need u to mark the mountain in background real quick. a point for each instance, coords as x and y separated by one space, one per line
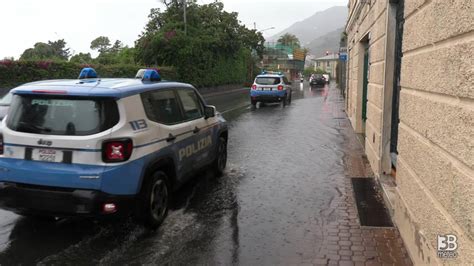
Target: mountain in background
327 42
323 24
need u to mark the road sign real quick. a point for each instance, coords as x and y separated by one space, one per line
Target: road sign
343 57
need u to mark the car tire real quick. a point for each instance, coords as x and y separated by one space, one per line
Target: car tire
253 103
154 200
220 161
284 100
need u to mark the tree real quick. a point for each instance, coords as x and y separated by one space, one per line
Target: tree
59 49
82 58
40 51
101 44
52 50
215 42
290 40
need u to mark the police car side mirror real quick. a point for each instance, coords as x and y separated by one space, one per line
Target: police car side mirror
209 111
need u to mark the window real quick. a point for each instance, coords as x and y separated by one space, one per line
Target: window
162 106
268 81
318 64
191 104
62 115
328 64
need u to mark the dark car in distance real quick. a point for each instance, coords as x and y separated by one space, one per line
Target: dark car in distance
317 80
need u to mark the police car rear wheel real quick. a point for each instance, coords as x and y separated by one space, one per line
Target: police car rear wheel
156 200
221 159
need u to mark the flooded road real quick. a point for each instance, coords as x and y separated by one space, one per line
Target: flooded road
285 169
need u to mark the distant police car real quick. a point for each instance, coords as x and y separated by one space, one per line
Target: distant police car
270 87
97 147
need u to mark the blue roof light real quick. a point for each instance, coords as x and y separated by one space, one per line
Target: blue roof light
149 75
88 73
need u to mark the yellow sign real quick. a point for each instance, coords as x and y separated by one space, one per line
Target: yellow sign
298 54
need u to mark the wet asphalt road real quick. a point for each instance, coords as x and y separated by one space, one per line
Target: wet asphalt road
272 204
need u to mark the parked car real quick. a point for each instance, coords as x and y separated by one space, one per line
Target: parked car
106 147
5 102
270 87
317 80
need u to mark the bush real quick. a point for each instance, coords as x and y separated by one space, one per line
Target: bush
15 73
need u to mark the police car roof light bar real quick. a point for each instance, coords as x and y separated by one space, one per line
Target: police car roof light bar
88 73
151 75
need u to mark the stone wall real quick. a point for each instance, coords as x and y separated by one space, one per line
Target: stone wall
368 29
435 177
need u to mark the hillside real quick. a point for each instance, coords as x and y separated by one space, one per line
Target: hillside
327 42
319 24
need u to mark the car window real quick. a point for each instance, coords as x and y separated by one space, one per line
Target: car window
162 106
6 99
191 105
268 80
61 115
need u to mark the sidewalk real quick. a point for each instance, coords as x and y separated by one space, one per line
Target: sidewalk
345 241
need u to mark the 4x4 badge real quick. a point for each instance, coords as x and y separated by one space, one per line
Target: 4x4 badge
45 142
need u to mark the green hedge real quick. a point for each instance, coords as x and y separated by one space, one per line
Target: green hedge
15 73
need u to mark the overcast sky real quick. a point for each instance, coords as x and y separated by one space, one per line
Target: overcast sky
25 22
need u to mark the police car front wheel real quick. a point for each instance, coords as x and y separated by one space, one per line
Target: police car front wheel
154 200
221 157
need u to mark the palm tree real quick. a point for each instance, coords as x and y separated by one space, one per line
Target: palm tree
288 39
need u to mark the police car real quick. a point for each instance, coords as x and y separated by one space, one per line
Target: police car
104 147
270 87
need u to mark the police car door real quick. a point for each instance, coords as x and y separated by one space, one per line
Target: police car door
203 141
162 106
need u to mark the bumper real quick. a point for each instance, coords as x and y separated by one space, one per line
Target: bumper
316 83
32 199
267 96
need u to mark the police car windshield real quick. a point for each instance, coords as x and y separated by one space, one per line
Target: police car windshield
268 81
61 116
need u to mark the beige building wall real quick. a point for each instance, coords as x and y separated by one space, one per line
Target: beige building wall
368 29
435 177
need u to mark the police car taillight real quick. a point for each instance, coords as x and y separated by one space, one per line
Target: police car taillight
280 87
254 87
114 151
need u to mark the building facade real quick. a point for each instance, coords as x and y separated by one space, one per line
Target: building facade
327 63
410 95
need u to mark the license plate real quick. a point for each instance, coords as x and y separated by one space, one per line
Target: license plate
267 89
47 155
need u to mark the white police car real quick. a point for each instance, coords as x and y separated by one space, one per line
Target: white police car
270 87
96 147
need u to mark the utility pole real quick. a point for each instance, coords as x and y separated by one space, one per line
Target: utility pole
185 21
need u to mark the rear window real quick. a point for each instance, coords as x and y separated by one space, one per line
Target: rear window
318 76
61 115
268 81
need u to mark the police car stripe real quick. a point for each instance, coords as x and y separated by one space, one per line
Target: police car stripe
178 135
56 148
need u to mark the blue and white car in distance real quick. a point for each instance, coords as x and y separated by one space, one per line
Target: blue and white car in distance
270 87
104 147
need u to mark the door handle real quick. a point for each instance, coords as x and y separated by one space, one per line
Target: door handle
196 130
170 138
